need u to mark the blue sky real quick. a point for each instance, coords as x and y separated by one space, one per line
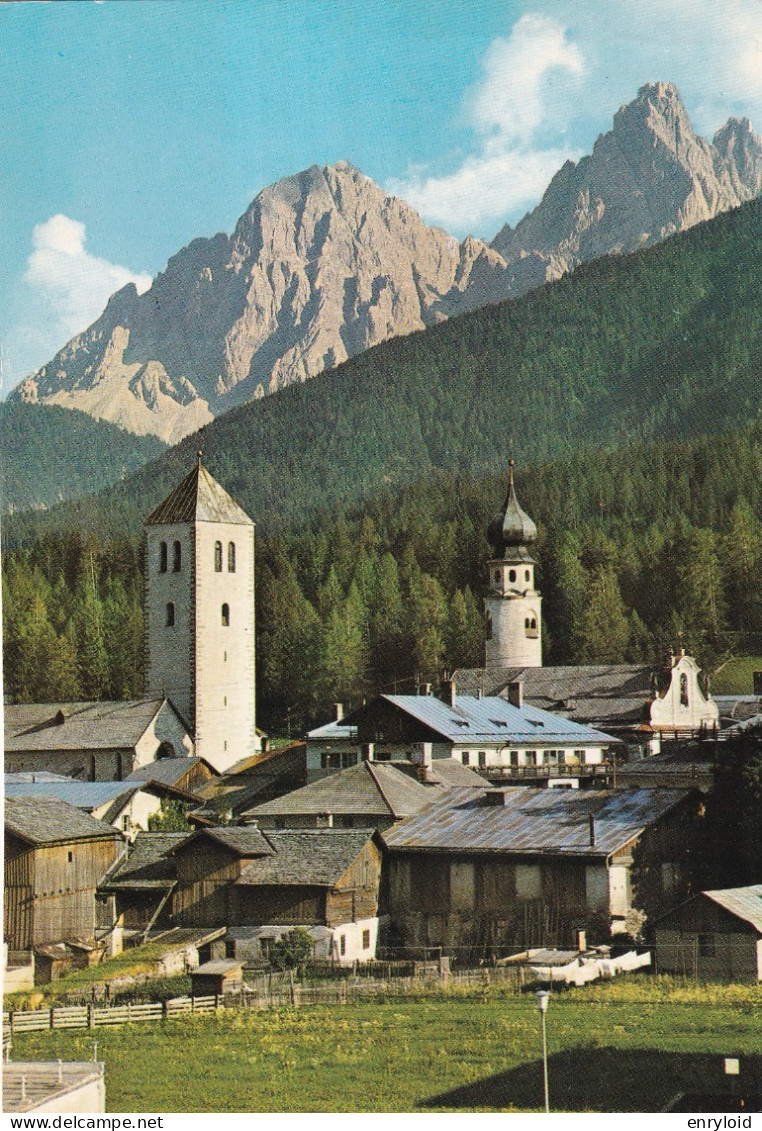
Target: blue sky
128 127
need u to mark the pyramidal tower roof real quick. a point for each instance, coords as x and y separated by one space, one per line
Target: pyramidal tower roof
199 498
511 526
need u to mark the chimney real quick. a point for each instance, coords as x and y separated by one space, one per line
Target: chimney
449 691
582 941
367 750
757 677
591 823
516 693
338 712
421 757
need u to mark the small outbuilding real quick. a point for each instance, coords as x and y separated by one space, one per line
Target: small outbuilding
223 976
715 935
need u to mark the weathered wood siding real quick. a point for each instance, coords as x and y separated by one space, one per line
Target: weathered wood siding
50 890
206 873
703 940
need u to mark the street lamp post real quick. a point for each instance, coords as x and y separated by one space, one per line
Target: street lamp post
542 1004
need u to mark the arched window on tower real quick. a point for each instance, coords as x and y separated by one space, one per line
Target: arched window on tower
511 574
218 557
488 626
177 556
163 557
530 626
683 690
225 617
231 557
170 614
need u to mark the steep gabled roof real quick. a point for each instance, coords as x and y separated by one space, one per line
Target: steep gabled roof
376 789
168 771
198 498
48 820
306 857
242 841
116 725
85 795
533 821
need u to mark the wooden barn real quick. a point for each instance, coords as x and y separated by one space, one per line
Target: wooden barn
521 867
55 856
715 935
309 877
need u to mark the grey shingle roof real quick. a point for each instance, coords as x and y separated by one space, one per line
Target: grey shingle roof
168 771
198 498
374 789
78 726
47 820
450 773
556 684
244 841
495 720
744 903
149 863
533 821
309 857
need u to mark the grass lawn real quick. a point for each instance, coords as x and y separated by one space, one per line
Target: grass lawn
735 677
629 1046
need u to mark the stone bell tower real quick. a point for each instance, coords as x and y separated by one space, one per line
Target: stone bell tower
512 604
199 615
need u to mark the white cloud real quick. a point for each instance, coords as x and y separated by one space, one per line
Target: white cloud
518 143
73 285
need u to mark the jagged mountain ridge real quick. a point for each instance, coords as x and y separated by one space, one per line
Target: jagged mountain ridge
324 265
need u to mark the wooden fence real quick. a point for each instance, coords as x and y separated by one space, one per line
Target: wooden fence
265 992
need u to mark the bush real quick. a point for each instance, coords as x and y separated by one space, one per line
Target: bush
292 951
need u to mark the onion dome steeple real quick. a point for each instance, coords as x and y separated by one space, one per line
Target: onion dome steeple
511 527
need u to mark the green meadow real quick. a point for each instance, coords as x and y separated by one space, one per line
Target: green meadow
630 1046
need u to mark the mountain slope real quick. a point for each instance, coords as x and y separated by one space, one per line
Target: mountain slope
663 344
324 265
48 454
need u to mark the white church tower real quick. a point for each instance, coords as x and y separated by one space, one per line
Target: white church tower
199 613
512 604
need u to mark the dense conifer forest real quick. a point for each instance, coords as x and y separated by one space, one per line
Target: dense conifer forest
638 550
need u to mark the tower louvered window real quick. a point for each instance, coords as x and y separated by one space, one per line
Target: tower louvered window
177 556
231 557
218 557
163 557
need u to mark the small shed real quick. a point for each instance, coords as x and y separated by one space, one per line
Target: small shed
716 935
223 976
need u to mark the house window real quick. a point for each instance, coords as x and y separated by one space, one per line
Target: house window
482 759
218 557
170 614
231 557
514 757
465 758
342 944
334 761
683 690
163 557
225 616
70 857
366 940
323 761
177 556
497 577
706 945
125 824
348 760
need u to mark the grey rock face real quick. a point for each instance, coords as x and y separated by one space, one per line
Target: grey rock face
648 177
324 265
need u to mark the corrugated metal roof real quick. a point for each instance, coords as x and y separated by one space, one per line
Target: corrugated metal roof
47 820
495 720
311 857
533 821
745 903
369 788
198 498
79 726
333 730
